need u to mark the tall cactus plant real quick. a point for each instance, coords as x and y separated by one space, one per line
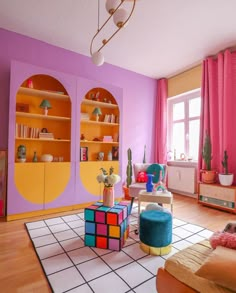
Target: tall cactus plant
144 155
225 163
206 153
129 168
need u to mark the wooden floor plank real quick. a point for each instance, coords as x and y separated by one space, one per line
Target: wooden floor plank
20 270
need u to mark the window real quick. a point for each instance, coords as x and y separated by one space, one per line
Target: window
184 125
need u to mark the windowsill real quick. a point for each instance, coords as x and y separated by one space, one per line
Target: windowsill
183 163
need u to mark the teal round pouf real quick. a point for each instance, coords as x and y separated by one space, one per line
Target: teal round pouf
155 228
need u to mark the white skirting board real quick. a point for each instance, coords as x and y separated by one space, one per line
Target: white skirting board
182 180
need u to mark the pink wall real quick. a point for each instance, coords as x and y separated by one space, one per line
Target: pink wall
139 92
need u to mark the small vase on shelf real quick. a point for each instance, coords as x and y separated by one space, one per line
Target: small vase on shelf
108 196
35 159
109 156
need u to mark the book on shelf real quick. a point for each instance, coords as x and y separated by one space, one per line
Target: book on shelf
107 118
25 131
46 135
113 117
110 118
84 154
107 138
84 116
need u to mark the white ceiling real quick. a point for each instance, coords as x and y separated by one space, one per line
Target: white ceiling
163 37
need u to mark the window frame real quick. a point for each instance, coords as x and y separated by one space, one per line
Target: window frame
184 97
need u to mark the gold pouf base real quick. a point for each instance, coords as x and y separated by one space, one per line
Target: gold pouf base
155 250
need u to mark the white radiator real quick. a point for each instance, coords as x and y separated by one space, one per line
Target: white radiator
182 179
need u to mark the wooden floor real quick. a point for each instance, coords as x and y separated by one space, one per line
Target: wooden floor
20 270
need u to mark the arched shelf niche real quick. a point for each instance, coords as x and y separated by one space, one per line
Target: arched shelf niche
98 136
41 182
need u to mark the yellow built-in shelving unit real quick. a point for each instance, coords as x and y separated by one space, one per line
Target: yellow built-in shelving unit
36 181
94 141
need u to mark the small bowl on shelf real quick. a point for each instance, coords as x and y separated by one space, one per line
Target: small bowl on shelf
46 158
21 160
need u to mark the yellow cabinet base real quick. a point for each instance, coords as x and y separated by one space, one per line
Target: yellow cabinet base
89 172
41 183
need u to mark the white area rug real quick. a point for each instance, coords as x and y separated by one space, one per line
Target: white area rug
70 266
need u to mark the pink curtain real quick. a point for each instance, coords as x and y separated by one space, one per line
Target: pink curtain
218 116
160 151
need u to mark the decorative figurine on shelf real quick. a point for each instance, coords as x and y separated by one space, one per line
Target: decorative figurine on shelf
97 96
21 153
82 137
92 96
44 130
35 159
100 156
30 83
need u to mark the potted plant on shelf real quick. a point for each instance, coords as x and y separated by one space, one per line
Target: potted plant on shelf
208 175
226 178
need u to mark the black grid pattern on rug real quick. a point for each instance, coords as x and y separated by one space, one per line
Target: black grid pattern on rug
70 266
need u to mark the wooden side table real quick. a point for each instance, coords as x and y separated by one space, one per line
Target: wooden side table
159 197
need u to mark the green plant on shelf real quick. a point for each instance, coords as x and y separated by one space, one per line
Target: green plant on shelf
207 152
225 163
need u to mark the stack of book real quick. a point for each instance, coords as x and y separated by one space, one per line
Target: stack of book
46 135
107 138
84 116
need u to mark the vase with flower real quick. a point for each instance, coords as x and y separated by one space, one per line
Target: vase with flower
109 179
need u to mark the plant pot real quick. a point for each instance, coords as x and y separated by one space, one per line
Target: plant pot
126 192
226 179
208 176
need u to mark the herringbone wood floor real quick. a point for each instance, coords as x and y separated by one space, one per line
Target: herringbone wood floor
20 270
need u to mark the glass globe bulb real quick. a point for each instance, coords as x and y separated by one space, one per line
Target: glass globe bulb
98 58
120 16
111 5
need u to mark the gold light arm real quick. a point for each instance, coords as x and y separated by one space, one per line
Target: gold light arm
99 30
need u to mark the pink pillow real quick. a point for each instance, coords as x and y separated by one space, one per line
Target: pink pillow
223 239
142 177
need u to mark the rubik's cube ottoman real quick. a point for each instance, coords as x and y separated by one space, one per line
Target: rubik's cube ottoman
155 228
107 227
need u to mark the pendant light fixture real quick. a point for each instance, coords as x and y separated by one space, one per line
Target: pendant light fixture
120 17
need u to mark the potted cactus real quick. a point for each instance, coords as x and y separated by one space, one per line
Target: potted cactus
129 175
208 175
226 178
